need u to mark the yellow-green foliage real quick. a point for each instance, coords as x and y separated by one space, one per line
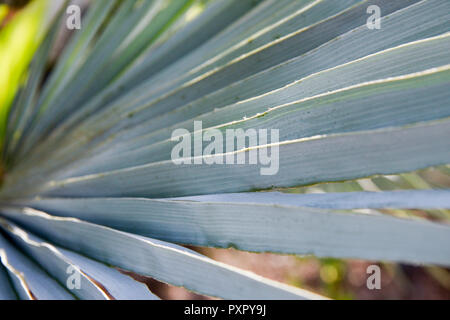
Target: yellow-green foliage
19 40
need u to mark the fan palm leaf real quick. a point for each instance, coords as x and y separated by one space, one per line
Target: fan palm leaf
90 184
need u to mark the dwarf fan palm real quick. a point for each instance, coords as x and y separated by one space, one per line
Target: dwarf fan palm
90 183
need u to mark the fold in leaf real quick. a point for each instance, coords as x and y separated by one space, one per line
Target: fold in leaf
30 281
276 222
96 281
163 261
430 19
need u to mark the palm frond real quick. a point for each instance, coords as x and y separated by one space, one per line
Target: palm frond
91 186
